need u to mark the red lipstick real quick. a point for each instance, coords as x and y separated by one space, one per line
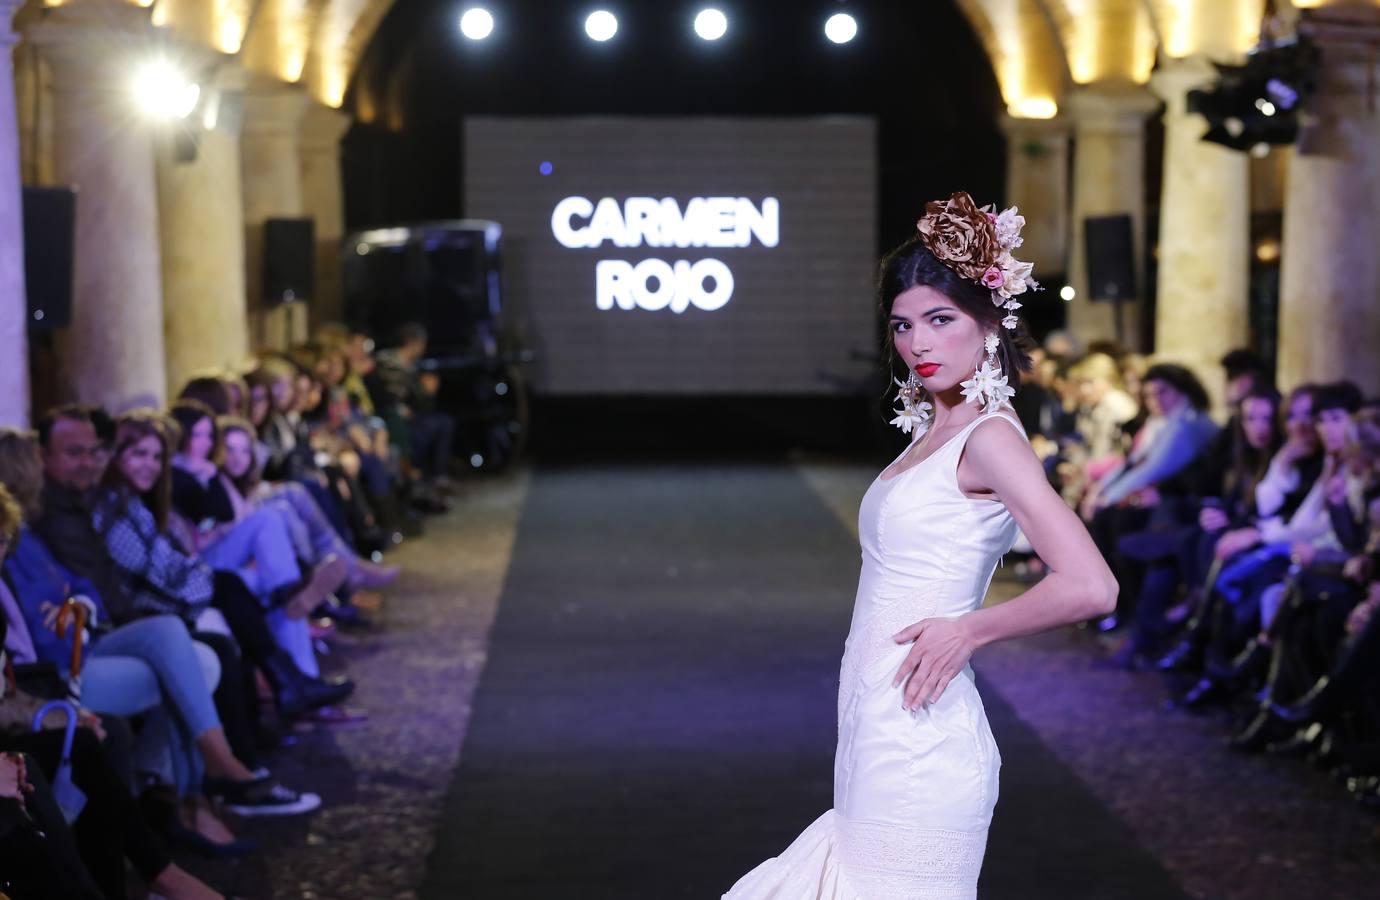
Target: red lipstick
925 370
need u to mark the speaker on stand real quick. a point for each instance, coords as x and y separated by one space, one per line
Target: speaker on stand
1110 255
289 279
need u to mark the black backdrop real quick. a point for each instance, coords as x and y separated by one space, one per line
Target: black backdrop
917 67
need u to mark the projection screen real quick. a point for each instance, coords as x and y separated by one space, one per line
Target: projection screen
683 255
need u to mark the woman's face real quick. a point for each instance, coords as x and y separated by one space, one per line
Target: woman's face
311 396
1334 428
1299 422
1257 421
232 390
281 392
303 389
200 439
239 454
939 342
1162 398
258 404
141 463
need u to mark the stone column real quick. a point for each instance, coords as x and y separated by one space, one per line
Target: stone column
200 207
272 184
1329 325
1037 180
14 307
322 129
103 145
1202 304
1108 179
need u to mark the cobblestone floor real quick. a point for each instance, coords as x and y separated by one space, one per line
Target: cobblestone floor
382 782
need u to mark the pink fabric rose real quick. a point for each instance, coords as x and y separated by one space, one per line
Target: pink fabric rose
993 278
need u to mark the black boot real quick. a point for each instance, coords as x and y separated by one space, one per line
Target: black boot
297 692
1262 729
1244 666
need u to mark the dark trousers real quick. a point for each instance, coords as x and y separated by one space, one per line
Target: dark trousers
1108 526
433 435
110 827
237 695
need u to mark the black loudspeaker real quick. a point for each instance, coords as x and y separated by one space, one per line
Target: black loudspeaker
50 233
1111 257
289 260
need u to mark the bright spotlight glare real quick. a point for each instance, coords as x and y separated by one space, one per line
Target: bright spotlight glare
601 25
476 23
841 28
711 24
1067 293
163 92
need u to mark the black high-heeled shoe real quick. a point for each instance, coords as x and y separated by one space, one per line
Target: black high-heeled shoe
1253 658
1261 730
190 839
1205 692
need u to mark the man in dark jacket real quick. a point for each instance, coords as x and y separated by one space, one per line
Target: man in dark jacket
74 458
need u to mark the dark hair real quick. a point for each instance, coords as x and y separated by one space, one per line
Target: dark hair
1242 361
210 390
131 428
225 426
1181 380
186 413
72 412
411 331
1338 395
1249 464
912 265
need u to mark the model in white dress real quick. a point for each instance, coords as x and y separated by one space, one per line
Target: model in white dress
913 791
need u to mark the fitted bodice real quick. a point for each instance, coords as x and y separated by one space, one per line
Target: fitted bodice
928 551
920 533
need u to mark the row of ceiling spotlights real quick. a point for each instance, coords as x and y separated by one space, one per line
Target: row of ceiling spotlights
477 23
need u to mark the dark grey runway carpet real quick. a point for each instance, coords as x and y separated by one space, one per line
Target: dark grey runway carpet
657 713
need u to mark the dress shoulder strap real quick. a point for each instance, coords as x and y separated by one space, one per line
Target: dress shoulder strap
962 439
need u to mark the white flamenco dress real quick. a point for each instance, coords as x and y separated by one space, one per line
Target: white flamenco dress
913 791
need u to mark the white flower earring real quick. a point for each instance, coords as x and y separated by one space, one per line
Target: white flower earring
914 415
988 388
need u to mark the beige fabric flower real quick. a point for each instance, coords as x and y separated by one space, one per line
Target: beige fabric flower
960 235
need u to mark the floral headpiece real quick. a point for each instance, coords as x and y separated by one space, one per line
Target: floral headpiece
977 244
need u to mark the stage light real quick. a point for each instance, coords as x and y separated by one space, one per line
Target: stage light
545 167
476 23
711 24
163 92
601 25
1067 293
841 28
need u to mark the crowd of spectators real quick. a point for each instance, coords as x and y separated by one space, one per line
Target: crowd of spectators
1245 553
170 578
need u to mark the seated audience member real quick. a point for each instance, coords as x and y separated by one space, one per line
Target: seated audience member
162 577
1322 656
406 399
1103 408
110 827
1255 559
1171 553
238 477
1175 433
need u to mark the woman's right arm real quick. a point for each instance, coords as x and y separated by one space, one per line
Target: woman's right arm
141 552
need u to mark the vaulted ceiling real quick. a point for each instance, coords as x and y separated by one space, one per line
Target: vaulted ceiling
1038 48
